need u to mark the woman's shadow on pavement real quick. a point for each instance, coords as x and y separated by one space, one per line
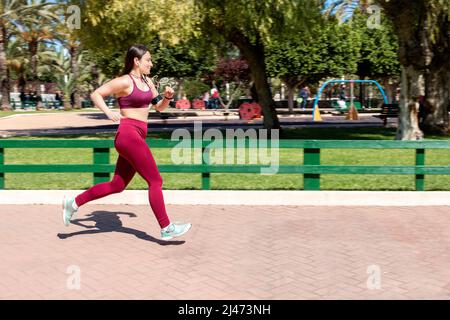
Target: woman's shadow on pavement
106 221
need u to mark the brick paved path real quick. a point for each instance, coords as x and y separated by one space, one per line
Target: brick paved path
232 252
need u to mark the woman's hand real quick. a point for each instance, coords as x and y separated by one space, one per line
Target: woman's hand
169 92
114 116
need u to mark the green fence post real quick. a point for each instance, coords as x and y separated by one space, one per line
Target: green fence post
420 161
206 181
311 156
101 156
2 174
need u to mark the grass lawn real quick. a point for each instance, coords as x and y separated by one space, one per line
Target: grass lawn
243 181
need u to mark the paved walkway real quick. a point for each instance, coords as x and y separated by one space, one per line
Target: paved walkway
232 252
96 122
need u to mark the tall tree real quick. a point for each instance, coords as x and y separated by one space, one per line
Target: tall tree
18 61
422 27
250 25
34 28
122 24
437 75
328 50
423 30
62 65
378 52
11 12
69 39
176 48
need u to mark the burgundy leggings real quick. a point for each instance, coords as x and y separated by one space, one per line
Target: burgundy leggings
134 155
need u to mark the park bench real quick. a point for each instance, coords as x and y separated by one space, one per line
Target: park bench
15 104
52 104
27 104
110 101
388 111
86 104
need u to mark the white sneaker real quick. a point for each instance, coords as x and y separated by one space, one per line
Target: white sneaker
68 211
175 230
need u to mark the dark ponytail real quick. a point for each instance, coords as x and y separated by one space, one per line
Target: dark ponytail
135 51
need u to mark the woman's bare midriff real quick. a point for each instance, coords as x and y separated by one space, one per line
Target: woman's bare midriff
138 114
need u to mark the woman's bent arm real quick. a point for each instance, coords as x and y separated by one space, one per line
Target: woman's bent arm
114 86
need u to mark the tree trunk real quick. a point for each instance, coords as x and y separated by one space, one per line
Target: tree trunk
263 90
293 83
437 102
253 92
388 89
22 82
3 70
8 83
33 48
412 89
291 93
362 91
408 20
74 68
254 54
66 102
95 83
437 97
423 30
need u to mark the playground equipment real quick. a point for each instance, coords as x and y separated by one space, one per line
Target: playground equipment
352 106
249 111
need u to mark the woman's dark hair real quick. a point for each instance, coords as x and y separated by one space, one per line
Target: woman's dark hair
135 51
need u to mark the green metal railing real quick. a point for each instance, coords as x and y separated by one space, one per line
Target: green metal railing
311 167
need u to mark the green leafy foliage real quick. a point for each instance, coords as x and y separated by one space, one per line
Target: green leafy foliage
327 50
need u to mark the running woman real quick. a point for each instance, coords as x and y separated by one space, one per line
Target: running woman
135 93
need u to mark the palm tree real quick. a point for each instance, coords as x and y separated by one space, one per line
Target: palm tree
35 29
11 12
18 61
72 44
65 79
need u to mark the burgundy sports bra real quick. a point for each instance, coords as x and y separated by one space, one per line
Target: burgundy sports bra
136 99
